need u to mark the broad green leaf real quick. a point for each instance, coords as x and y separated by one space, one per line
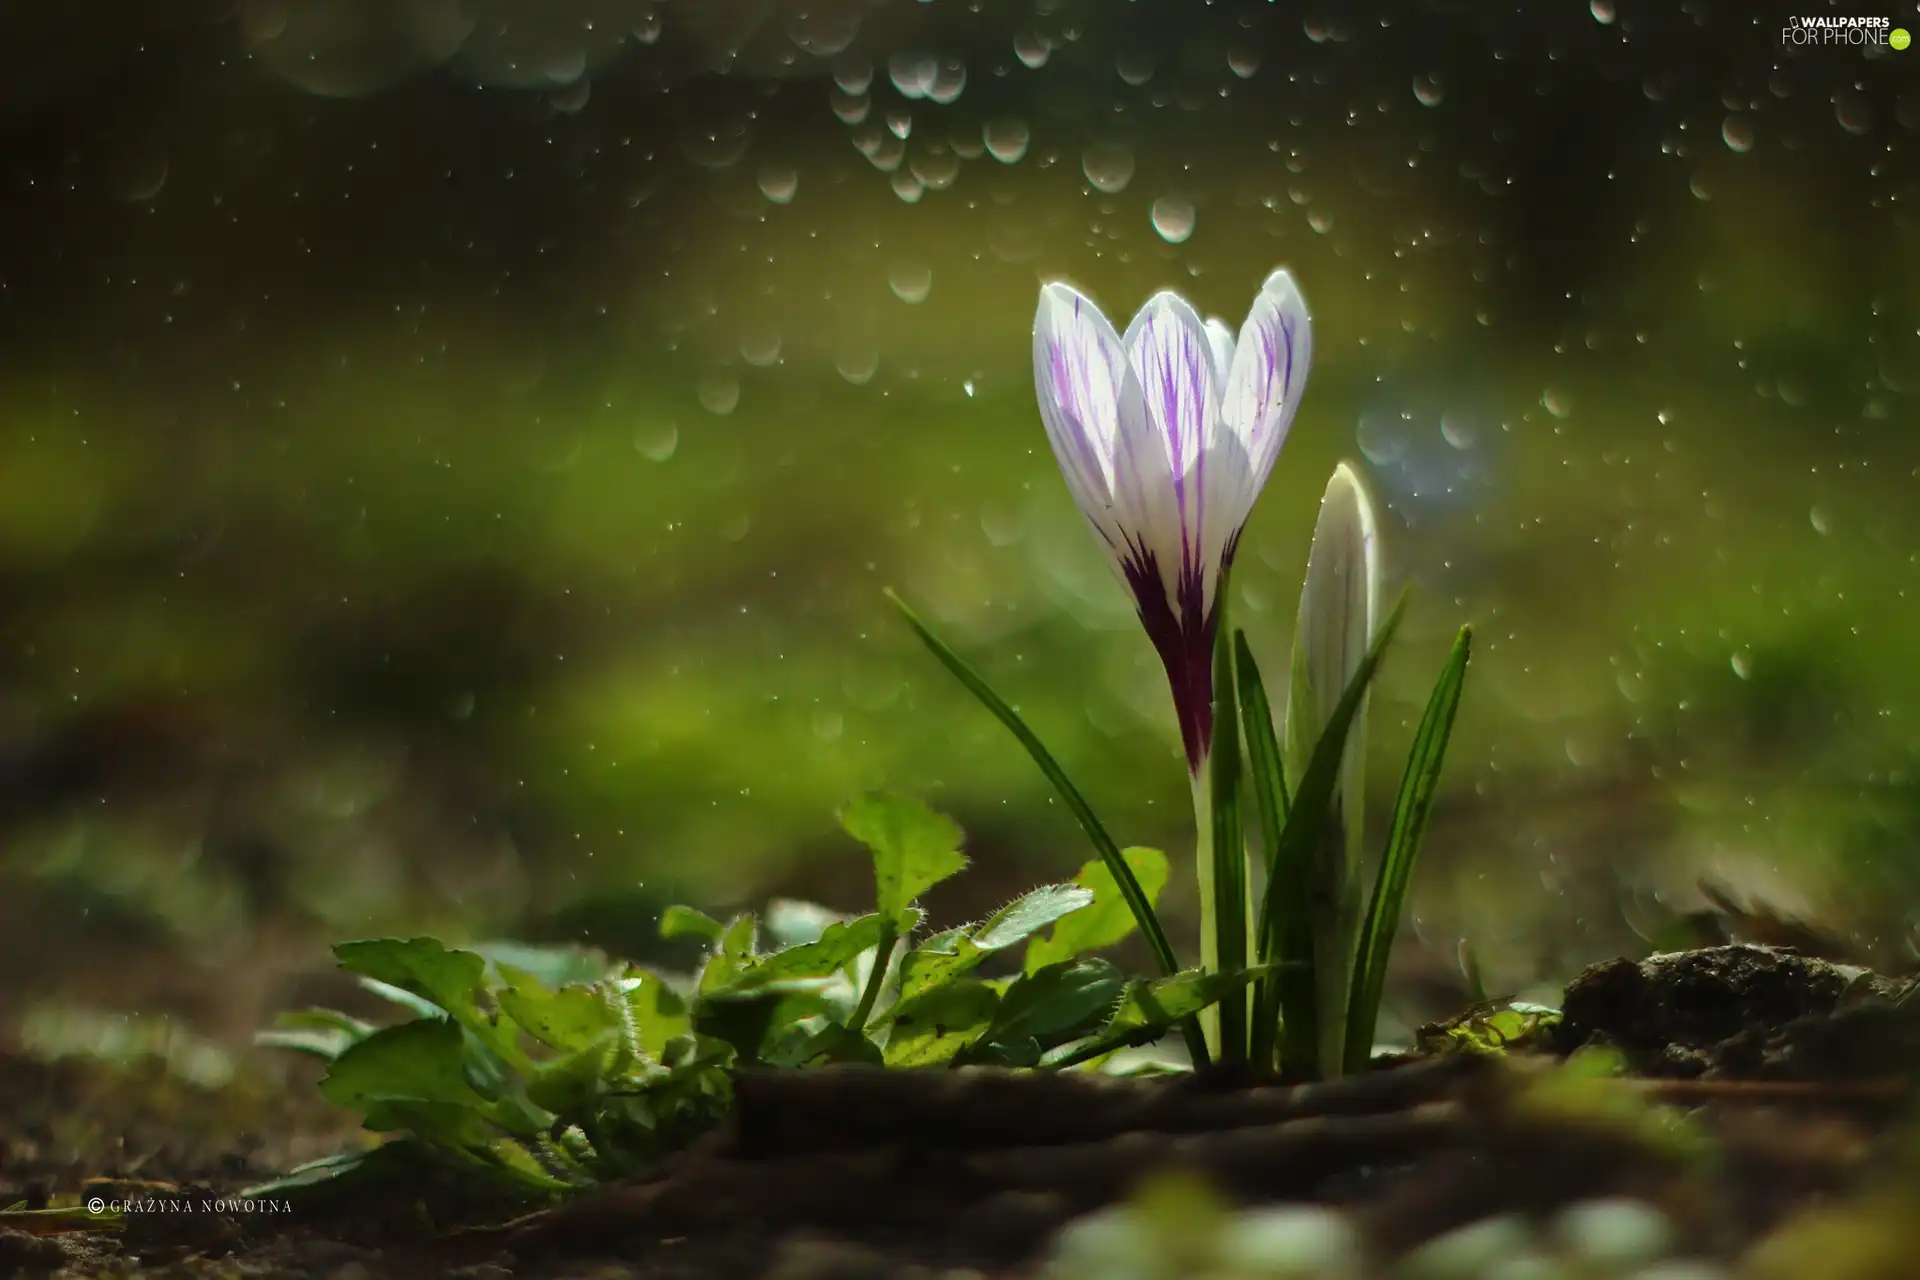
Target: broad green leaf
424 967
913 847
569 1085
1076 803
659 1014
1107 919
1029 913
942 1023
837 948
551 966
731 955
570 1018
680 921
1412 806
1057 1000
419 1061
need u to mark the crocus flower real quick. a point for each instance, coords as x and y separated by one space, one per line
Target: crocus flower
1165 437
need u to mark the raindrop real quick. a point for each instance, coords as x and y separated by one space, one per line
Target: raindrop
719 393
646 30
1243 61
1557 403
899 124
1429 89
908 186
853 75
949 84
1007 139
1032 49
1742 664
1173 218
935 166
1701 187
734 525
1853 111
1457 430
1603 12
852 109
1108 167
572 100
822 29
912 74
1320 220
778 182
1737 133
716 144
1822 522
857 363
911 281
828 725
759 344
1135 67
1380 439
656 441
136 175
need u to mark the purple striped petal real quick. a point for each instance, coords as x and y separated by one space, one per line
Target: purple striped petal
1269 374
1173 358
1220 334
1086 390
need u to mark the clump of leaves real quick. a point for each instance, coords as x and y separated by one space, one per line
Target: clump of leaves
548 1071
1491 1027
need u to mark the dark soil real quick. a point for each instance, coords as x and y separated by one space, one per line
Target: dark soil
1790 1069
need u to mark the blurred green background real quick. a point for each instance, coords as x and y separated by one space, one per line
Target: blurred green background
451 452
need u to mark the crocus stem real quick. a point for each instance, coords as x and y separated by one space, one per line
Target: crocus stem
1209 916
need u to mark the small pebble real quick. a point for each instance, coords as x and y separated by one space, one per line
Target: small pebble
1614 1234
1291 1243
1469 1252
1109 1243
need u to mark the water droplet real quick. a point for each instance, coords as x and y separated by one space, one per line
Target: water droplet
1853 111
656 441
136 173
828 725
1557 403
1135 66
935 166
1320 220
852 109
949 84
911 281
646 29
857 362
899 124
853 75
908 187
1701 186
1458 430
1742 664
822 29
779 182
1007 139
1429 89
1109 167
1603 12
1737 133
1032 49
1380 438
759 344
1243 60
1821 521
719 393
912 74
572 100
1173 218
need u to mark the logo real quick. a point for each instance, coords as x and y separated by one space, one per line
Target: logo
1860 33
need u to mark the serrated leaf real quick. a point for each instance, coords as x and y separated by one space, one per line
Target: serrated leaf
570 1084
426 968
421 1061
679 921
1108 919
1029 913
659 1014
1150 1008
752 1022
913 847
1056 1001
941 1024
731 954
569 1019
835 949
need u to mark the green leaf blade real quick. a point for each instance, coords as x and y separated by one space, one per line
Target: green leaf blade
913 847
1107 919
1412 807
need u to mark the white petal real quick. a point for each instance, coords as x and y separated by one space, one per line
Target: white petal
1086 390
1173 359
1220 334
1268 374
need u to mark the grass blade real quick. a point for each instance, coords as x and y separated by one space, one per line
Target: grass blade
1270 799
1229 850
1294 861
1411 809
1103 844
